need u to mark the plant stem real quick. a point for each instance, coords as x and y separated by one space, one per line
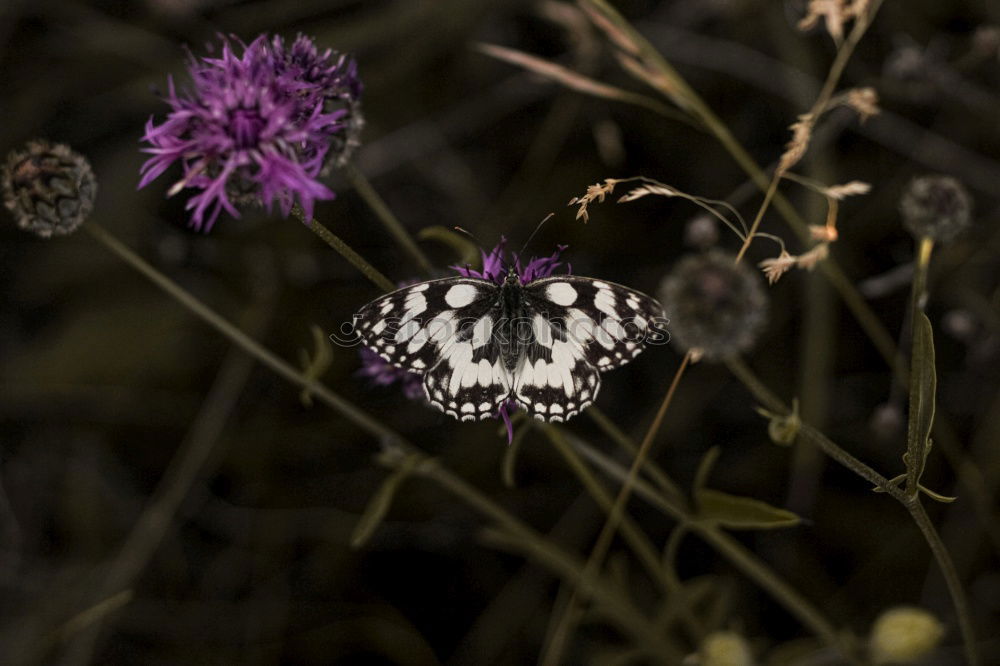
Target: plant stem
345 250
639 542
516 535
238 337
881 483
947 566
385 215
564 628
752 567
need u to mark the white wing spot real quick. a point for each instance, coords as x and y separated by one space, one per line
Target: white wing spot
482 331
460 295
561 293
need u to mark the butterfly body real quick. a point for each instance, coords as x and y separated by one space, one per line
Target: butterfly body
479 344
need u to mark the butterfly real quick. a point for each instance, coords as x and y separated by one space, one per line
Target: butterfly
479 344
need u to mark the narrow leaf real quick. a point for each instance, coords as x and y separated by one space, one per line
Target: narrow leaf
574 80
923 385
705 469
741 513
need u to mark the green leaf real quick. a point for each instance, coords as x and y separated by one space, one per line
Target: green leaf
463 247
741 513
380 502
705 469
923 385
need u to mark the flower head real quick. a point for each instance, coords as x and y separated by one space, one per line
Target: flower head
381 373
48 187
259 125
715 306
495 267
936 206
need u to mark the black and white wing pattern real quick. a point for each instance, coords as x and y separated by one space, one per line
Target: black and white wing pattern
579 327
478 344
444 330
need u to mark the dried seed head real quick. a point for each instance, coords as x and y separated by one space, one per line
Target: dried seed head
49 188
936 206
715 306
904 635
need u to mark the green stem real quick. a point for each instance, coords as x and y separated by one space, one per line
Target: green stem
910 502
516 535
345 250
744 560
385 215
238 337
565 626
638 541
617 435
947 566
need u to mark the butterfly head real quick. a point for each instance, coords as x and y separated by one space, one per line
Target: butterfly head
512 276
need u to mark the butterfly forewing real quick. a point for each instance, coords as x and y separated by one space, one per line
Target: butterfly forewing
606 323
445 330
411 326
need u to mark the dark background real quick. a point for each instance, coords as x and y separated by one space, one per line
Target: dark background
102 376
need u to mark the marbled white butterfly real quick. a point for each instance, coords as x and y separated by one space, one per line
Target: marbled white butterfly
543 344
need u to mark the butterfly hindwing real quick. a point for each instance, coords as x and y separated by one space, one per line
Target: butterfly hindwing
470 381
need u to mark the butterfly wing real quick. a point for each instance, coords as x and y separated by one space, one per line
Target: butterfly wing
607 323
576 328
447 331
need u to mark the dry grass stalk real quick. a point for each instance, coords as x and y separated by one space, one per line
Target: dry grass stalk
596 192
834 14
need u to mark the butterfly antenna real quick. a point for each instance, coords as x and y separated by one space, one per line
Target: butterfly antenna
525 246
480 245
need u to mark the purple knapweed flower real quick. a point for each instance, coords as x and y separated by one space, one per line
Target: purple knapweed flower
381 373
257 126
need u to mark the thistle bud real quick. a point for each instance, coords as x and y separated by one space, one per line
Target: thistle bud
904 634
48 187
715 306
938 207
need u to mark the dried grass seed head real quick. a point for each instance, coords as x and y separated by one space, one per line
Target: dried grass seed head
936 206
715 306
49 188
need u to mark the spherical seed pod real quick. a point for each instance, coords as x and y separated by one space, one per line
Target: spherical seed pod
903 635
714 305
725 648
938 207
48 187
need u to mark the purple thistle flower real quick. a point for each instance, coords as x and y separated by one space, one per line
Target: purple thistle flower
381 373
259 126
